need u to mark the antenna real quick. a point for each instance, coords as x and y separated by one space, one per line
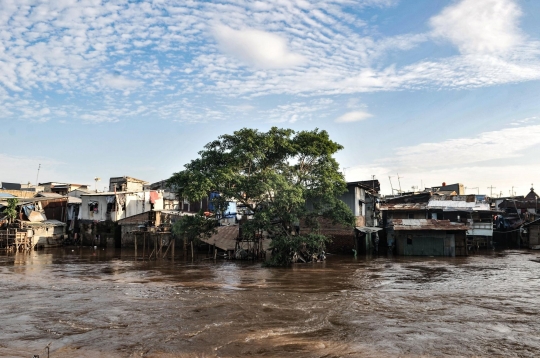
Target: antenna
491 190
398 177
96 179
37 176
391 186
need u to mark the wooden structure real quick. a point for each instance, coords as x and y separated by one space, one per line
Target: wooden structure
155 245
15 240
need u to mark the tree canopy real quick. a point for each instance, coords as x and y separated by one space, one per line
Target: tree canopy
281 176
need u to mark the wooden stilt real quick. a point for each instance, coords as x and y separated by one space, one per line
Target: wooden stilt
166 251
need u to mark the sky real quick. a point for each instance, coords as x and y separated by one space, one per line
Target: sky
418 92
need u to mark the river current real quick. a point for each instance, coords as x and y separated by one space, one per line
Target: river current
102 303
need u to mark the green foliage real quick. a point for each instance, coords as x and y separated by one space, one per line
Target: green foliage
11 209
282 176
193 228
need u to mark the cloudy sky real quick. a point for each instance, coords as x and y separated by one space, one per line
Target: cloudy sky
433 90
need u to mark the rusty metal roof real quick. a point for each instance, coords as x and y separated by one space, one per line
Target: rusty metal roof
226 236
427 224
404 206
520 204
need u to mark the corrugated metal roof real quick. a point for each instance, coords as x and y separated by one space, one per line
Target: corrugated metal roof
368 229
405 206
225 238
426 224
74 200
45 222
177 212
49 195
454 204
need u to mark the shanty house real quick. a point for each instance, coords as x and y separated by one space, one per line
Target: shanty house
113 206
473 210
428 237
362 198
46 233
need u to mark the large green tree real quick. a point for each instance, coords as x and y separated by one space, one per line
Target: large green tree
283 177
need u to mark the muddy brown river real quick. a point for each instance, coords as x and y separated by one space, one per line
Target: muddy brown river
103 303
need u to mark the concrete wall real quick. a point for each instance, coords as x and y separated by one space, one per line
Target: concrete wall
354 198
47 235
136 203
425 243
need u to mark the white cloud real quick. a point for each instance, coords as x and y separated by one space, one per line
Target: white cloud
461 151
97 118
488 158
475 178
480 26
353 116
260 49
159 49
119 82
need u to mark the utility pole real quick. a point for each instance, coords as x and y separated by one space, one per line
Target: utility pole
391 186
37 176
491 190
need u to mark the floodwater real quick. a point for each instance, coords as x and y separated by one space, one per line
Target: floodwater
103 303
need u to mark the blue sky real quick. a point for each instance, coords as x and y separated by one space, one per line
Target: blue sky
433 90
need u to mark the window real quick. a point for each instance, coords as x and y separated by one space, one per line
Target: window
110 207
409 240
411 216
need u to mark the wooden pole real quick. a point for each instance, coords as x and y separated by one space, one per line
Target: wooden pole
192 251
172 249
166 251
135 239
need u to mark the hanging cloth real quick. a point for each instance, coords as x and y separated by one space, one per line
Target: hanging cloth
153 196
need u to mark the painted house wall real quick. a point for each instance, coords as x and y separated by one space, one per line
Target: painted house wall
355 198
135 203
